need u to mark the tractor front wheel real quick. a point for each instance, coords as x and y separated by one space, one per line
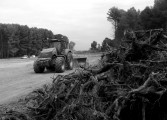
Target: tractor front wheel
38 68
60 64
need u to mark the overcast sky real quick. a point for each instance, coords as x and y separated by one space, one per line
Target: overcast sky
82 21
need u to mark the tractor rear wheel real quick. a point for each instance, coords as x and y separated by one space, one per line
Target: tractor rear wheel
38 68
69 61
60 64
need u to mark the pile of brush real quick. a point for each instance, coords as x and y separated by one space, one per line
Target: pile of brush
130 84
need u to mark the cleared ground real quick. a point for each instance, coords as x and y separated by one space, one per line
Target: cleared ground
17 77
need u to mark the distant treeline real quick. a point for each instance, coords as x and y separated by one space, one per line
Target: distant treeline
17 40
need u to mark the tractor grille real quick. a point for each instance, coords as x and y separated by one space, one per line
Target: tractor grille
45 55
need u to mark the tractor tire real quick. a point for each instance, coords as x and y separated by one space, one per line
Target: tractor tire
37 68
69 61
60 64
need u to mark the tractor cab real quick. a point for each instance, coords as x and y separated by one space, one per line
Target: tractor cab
60 45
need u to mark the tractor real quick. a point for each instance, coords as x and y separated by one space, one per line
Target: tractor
58 57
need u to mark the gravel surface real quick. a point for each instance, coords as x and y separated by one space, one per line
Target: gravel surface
17 77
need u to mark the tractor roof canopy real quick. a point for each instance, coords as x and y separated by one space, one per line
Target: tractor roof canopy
57 40
63 44
54 40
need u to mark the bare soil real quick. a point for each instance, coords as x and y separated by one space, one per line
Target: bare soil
17 77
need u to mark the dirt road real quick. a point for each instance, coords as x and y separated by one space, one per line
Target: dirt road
17 78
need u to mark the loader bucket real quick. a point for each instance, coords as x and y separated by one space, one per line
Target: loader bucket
80 61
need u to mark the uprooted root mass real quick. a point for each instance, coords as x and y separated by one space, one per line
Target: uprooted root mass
130 84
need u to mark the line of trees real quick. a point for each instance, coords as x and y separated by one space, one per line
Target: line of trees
95 46
18 40
106 45
154 17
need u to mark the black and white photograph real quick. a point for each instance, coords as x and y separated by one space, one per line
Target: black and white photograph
83 59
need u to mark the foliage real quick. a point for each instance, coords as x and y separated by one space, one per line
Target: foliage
107 44
61 37
114 16
18 40
3 43
94 45
150 18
